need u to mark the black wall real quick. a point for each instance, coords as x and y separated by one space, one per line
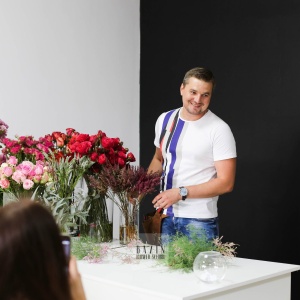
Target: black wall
253 48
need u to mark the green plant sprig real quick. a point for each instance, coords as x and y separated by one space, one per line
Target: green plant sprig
181 251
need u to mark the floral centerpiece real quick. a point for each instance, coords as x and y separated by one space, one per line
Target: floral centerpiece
126 187
54 184
25 179
24 171
101 150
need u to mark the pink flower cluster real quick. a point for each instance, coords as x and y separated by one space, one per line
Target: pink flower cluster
26 175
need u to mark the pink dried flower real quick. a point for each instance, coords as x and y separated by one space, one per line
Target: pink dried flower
3 130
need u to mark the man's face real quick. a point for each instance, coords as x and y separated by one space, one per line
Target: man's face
196 95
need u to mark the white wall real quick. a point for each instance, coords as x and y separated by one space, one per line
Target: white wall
71 63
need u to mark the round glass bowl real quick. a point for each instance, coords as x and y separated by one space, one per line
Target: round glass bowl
210 266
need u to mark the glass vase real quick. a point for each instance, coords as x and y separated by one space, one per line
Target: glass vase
100 219
129 224
210 266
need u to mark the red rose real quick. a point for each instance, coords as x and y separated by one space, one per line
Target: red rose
60 142
122 155
56 134
93 139
94 156
15 150
121 162
130 157
106 142
70 131
82 137
102 159
101 134
83 148
58 155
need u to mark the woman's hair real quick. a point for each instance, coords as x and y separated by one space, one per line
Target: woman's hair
32 261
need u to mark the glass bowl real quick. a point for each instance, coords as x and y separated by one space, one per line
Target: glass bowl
210 266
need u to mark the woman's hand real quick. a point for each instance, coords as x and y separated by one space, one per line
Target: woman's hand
76 286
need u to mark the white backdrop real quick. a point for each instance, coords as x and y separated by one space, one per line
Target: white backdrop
70 63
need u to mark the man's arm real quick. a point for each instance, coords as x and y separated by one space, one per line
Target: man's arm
223 183
156 163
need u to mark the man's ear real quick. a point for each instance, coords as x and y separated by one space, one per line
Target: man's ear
181 88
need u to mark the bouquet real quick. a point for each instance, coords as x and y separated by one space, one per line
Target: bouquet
24 179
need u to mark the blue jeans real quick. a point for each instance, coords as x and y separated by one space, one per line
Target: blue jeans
189 226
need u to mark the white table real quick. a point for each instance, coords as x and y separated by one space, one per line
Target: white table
245 279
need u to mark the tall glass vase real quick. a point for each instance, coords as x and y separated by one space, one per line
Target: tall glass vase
100 219
129 223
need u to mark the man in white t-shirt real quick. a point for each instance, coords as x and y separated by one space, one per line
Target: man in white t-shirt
196 155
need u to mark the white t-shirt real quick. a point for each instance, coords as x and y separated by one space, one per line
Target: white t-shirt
190 157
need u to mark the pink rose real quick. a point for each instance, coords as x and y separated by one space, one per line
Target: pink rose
45 178
25 167
18 176
7 171
38 170
37 178
27 184
12 161
4 183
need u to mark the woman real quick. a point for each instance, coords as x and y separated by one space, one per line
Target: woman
32 259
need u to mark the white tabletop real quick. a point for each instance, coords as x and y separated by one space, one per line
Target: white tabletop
155 280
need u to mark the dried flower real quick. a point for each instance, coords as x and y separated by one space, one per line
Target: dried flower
3 130
227 249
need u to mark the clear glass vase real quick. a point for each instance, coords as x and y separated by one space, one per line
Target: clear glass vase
100 219
129 224
210 266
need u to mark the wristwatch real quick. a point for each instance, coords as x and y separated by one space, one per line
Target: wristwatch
183 192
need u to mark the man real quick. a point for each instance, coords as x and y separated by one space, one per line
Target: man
196 155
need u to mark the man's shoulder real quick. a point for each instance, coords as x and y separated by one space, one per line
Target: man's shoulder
212 117
168 114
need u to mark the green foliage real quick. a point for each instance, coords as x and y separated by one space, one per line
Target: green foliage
1 198
181 251
65 201
67 212
87 249
67 172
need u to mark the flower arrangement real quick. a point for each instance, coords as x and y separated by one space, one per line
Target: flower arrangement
126 187
26 148
101 150
25 178
69 157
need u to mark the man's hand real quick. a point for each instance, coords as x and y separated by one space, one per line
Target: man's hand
167 198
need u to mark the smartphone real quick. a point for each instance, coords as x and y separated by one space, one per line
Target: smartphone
66 242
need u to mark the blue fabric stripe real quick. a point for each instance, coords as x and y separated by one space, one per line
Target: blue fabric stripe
172 149
166 119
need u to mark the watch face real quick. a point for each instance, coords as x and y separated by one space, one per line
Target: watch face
183 191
